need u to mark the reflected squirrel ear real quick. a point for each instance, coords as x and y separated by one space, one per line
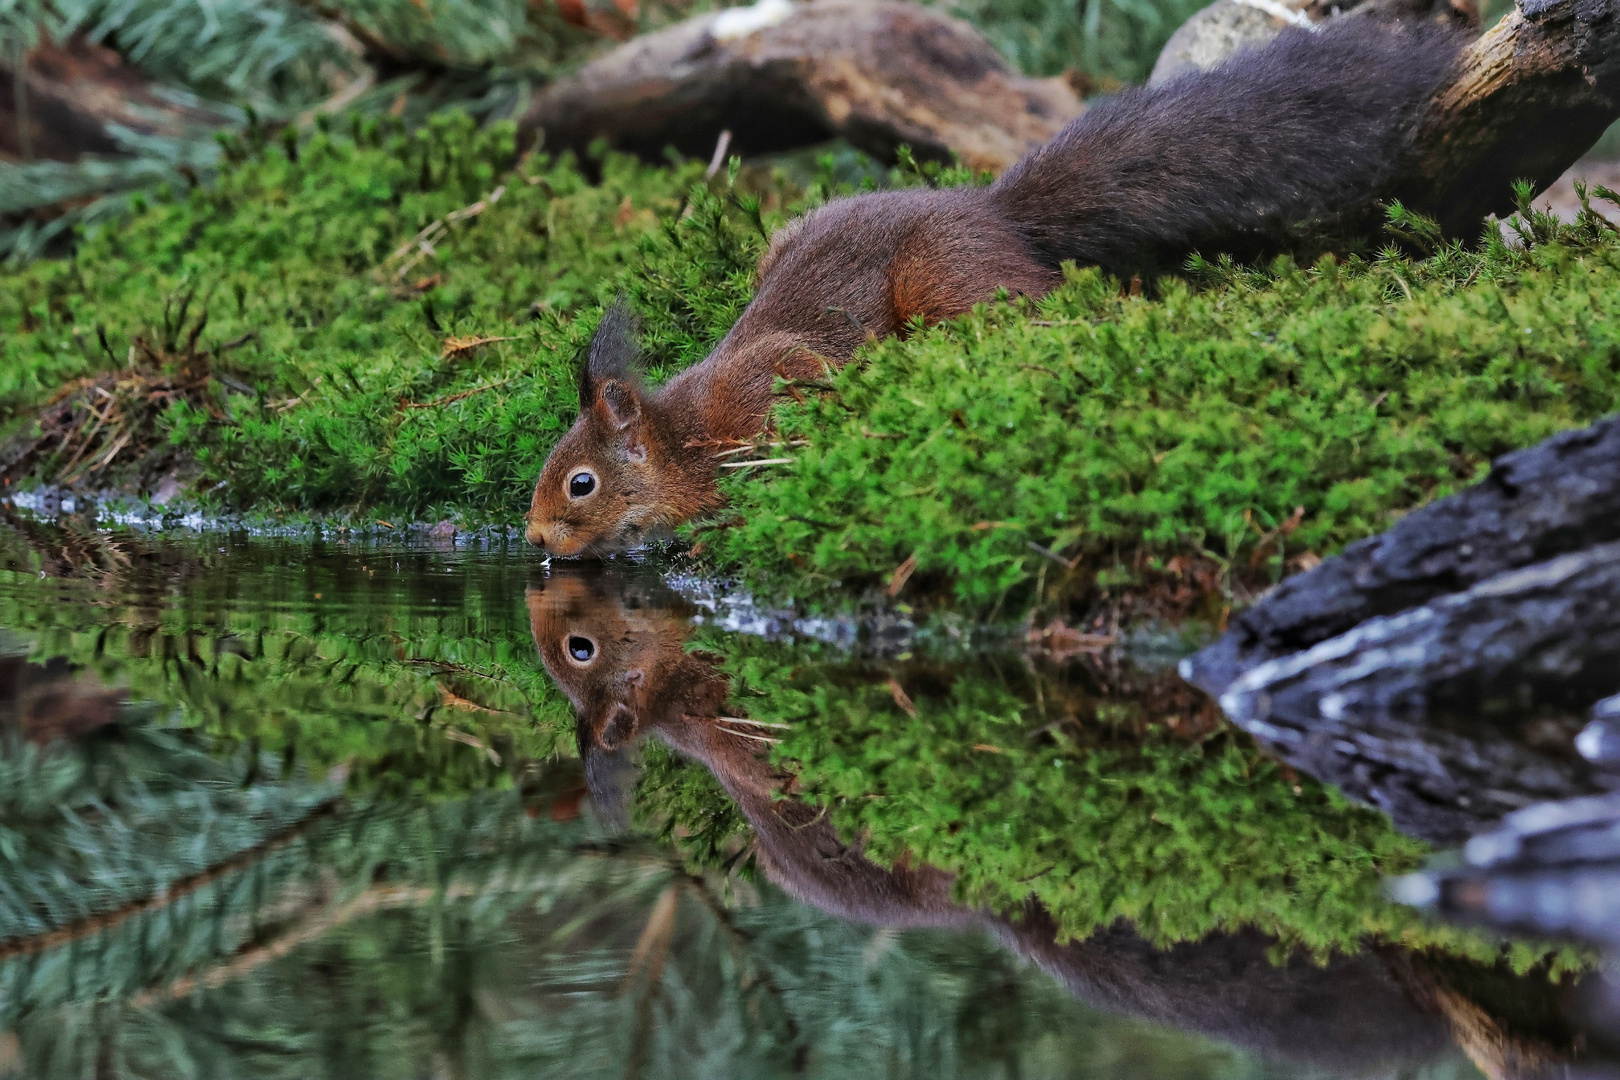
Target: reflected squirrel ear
613 355
619 728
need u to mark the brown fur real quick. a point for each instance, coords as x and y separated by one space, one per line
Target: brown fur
1223 160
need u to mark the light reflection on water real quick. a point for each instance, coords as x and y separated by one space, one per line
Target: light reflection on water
340 831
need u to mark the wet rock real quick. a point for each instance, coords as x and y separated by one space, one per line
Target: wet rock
1551 869
1599 741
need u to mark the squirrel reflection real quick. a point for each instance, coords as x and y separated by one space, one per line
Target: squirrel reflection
617 647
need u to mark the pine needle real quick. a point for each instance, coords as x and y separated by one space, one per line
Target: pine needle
455 346
450 399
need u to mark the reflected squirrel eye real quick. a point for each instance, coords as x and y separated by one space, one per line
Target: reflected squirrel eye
581 648
580 485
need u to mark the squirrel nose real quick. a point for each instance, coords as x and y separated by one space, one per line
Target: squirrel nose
555 541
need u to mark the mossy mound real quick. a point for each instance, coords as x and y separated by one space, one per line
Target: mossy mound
381 333
389 320
1098 439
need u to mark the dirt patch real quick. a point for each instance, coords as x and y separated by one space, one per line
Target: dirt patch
107 431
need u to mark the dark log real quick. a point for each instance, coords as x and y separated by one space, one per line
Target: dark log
779 75
1450 715
72 91
1560 496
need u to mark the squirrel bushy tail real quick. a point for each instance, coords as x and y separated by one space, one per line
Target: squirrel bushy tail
1278 137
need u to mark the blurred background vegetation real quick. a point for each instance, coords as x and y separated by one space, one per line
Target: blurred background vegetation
214 66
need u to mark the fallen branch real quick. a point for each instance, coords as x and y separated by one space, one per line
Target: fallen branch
780 75
423 241
455 346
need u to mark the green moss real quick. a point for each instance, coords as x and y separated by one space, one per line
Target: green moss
1101 806
308 249
1244 417
1244 422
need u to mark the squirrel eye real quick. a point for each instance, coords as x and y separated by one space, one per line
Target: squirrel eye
581 484
581 648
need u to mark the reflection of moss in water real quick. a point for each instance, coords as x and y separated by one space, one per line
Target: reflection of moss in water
1099 809
267 929
683 804
492 944
394 684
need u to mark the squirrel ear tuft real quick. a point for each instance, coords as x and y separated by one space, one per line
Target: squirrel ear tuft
613 354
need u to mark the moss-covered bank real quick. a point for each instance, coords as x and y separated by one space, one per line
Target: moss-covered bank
389 323
388 320
1100 439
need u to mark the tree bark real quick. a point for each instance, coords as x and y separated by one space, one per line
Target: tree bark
780 76
1443 672
1529 98
1451 715
71 91
1560 496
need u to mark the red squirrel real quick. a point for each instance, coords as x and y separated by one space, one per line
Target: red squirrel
1233 159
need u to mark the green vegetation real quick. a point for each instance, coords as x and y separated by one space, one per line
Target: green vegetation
1030 453
242 62
365 369
1217 427
1102 803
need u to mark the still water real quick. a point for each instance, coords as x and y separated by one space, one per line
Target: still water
299 809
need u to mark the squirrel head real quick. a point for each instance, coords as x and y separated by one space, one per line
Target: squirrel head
599 491
617 650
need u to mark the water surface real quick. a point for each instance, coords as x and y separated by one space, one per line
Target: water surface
279 808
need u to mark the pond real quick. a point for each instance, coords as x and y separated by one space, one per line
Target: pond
433 808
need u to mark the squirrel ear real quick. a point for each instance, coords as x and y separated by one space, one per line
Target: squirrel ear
621 402
613 353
